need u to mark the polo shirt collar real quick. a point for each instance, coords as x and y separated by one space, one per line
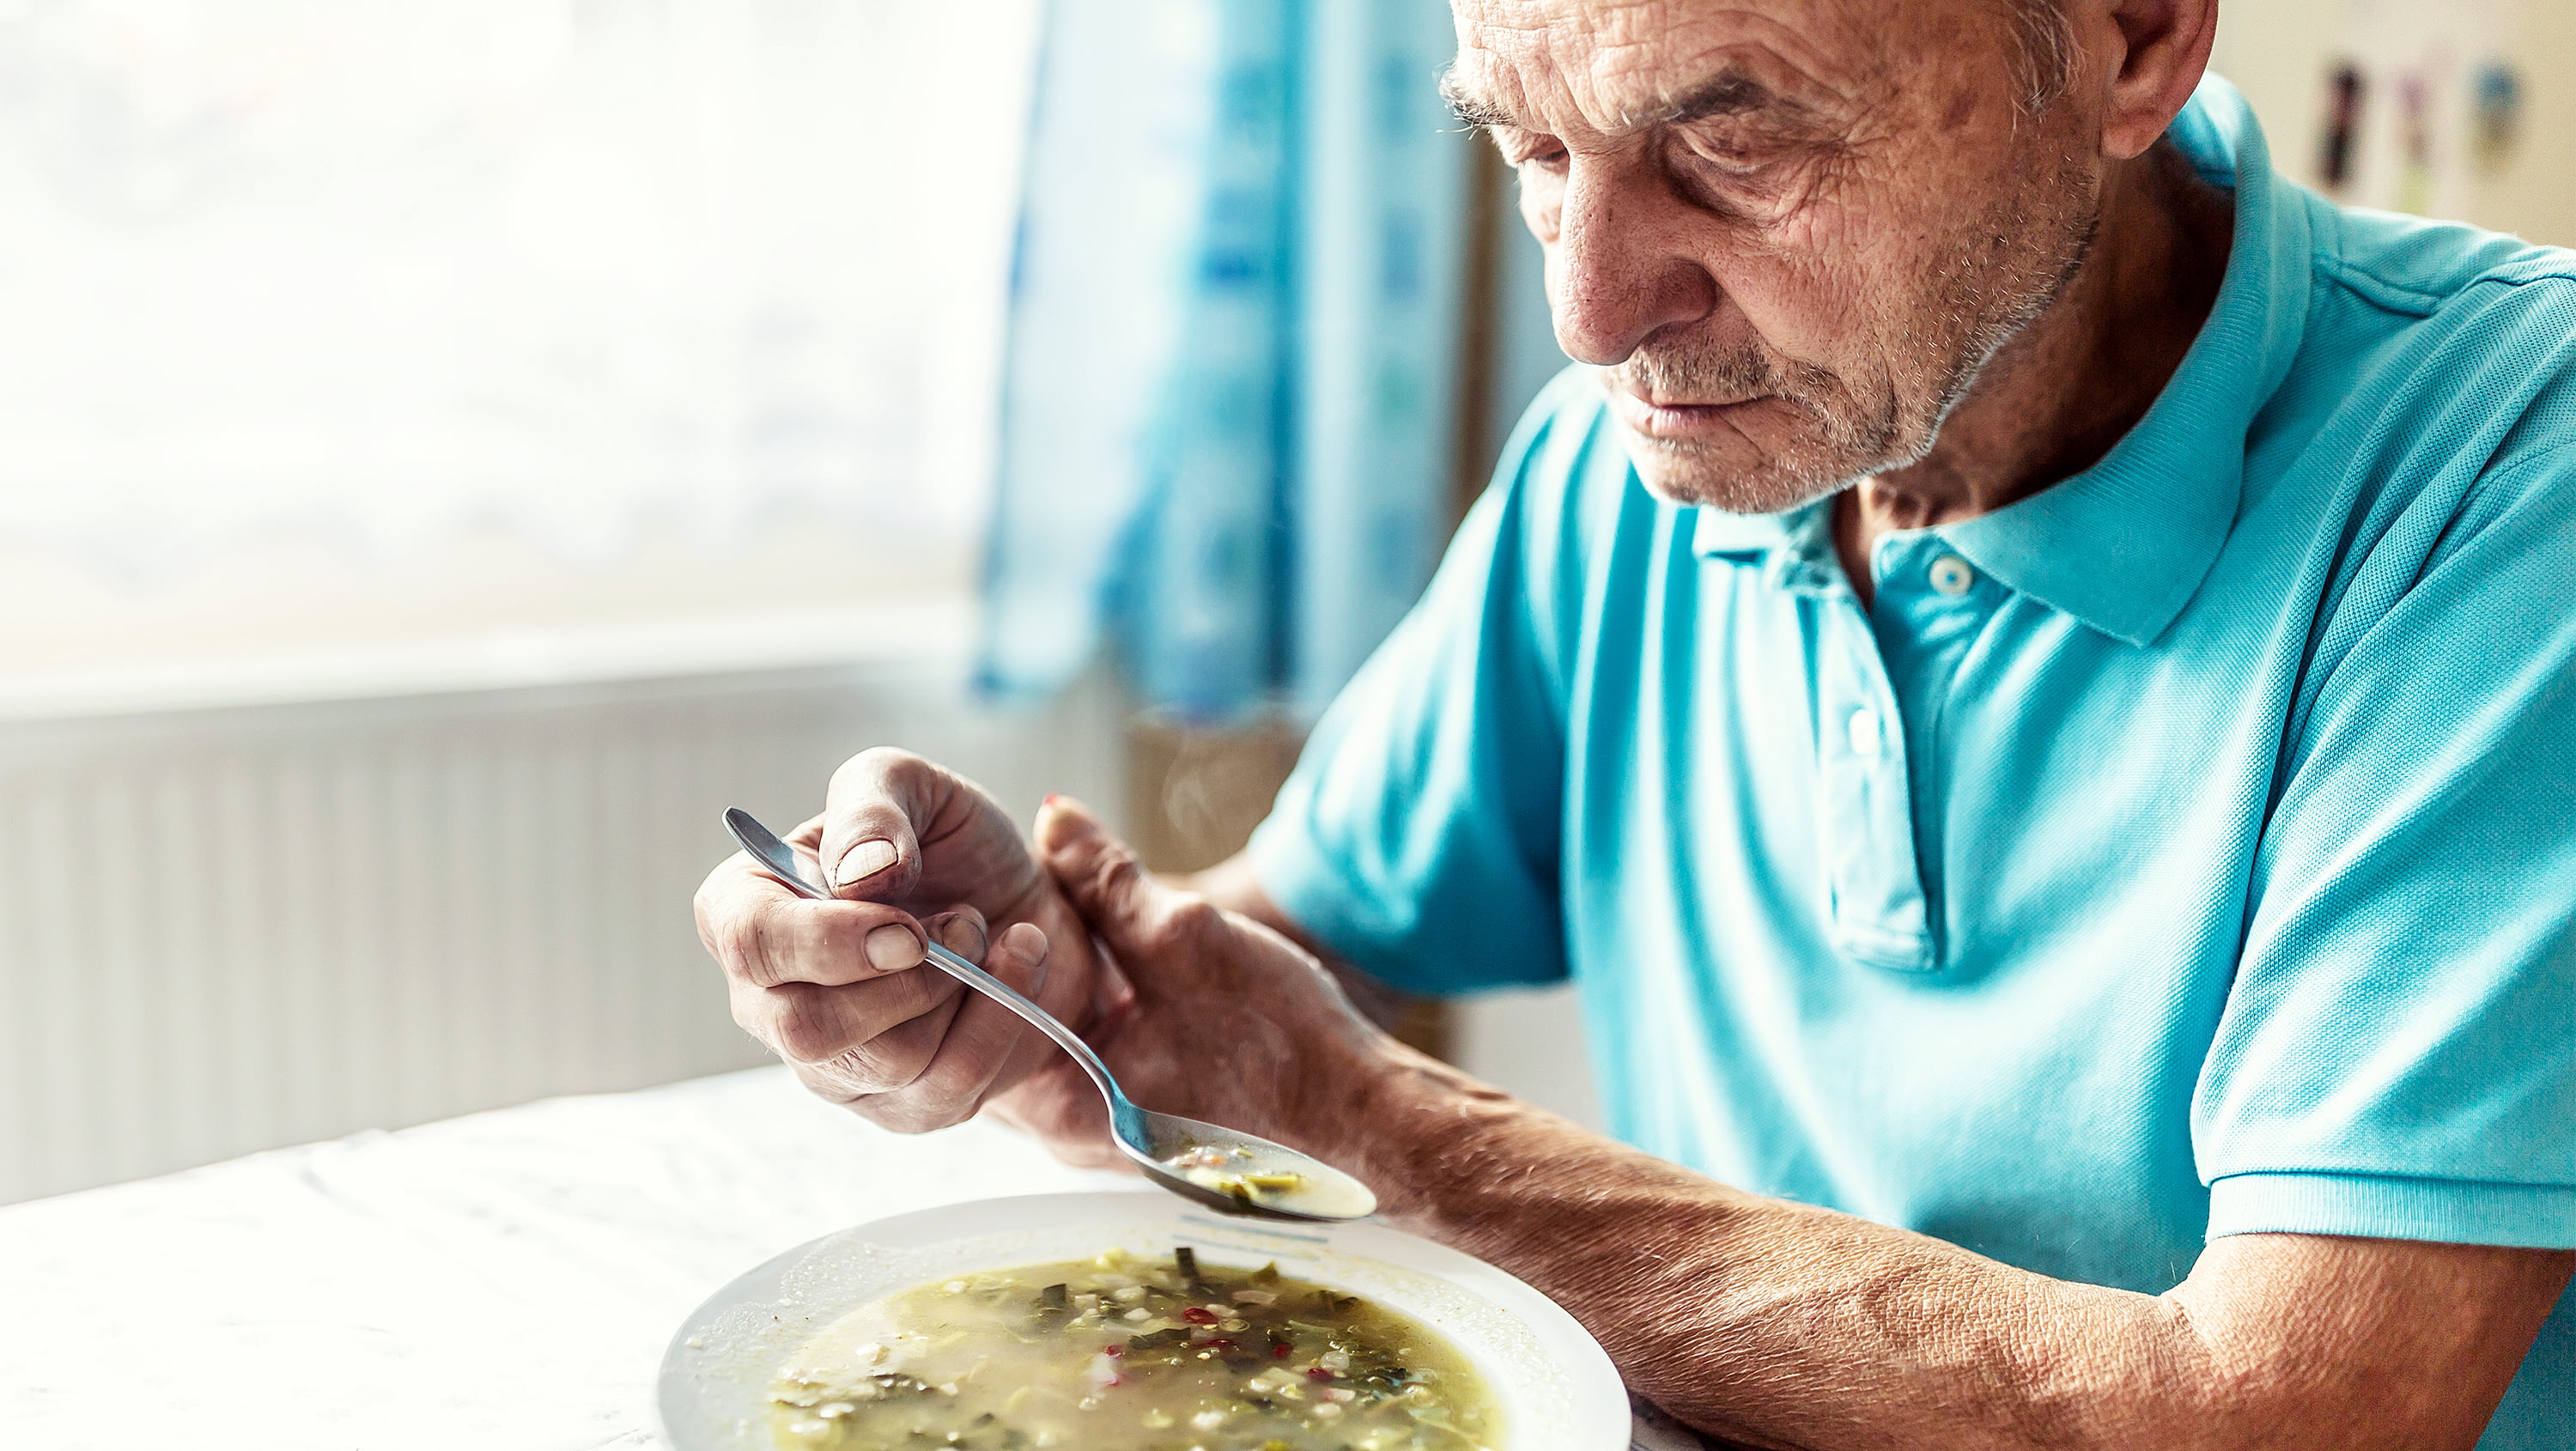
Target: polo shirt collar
2124 545
1797 544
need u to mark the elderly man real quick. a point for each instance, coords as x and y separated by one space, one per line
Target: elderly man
2031 683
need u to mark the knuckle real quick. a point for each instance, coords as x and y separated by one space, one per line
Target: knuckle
810 1027
1190 922
956 1083
749 952
830 1089
1115 876
921 1108
885 1059
872 1067
715 934
720 909
881 762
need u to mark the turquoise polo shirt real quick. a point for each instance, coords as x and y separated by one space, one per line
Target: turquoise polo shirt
2186 850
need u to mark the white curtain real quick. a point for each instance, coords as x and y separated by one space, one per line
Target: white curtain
396 268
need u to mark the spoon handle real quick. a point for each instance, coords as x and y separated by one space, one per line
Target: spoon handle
779 860
1038 1017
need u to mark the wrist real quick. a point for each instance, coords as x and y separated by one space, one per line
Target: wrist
1389 1115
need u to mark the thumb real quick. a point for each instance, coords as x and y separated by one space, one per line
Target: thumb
1129 910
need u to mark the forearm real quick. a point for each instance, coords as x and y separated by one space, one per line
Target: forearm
1771 1323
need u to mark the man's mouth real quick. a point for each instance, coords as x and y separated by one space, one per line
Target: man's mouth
1676 418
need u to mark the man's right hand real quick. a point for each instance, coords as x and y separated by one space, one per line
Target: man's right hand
839 989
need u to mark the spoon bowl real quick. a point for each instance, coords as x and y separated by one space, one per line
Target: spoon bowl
1225 1169
1171 1142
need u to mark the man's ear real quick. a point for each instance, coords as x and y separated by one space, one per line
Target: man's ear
2152 54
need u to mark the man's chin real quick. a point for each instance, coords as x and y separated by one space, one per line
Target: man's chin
1737 476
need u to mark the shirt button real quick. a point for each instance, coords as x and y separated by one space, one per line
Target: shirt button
1951 575
1863 728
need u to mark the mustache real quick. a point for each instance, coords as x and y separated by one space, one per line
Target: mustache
1702 376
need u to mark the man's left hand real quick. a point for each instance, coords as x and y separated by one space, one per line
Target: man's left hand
1232 1022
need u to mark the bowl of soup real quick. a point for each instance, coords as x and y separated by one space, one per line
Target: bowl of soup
1132 1322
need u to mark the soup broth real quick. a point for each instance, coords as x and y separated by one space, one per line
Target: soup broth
1123 1354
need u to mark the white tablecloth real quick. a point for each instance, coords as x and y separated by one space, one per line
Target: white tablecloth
503 1282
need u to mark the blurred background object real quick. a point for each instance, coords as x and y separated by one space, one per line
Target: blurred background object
2461 109
449 451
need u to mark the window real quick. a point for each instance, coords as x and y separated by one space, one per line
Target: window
340 324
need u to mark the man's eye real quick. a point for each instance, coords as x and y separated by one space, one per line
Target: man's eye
1732 160
1733 150
1742 176
1545 151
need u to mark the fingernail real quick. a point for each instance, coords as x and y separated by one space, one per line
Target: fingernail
864 861
952 931
892 949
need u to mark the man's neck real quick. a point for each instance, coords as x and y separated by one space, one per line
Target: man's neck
2055 399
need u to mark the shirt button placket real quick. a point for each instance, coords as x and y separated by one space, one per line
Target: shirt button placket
1866 825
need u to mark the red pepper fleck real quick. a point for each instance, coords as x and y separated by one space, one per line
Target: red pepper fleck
1113 1351
1279 1351
1197 1316
1317 1372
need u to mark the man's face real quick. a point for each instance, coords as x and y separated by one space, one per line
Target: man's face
1788 232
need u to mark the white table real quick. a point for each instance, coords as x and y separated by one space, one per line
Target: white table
503 1282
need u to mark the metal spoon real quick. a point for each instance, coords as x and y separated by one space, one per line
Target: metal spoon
1154 1140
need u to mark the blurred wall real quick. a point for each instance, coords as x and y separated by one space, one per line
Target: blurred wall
2424 136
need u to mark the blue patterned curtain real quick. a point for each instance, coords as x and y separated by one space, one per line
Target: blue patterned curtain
1230 409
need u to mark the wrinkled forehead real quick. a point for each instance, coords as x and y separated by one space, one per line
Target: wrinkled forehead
1606 68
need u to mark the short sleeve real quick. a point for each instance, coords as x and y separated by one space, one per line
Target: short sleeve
1418 837
2397 1056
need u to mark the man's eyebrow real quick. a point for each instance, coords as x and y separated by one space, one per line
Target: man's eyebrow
1728 93
1483 115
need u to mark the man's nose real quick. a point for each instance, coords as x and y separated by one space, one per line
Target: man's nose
1616 275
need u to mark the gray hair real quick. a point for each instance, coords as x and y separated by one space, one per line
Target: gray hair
2047 44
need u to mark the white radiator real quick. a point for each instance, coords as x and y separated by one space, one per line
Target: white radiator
232 930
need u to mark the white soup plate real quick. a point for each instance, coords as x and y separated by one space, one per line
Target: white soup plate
1554 1385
